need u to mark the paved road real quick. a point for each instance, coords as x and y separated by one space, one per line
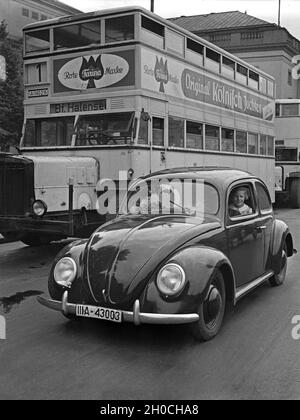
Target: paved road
45 356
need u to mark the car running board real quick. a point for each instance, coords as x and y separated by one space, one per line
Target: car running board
244 290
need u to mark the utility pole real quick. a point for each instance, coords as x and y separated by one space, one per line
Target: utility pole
279 13
152 6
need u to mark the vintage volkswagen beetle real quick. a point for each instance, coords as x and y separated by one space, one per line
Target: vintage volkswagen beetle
181 259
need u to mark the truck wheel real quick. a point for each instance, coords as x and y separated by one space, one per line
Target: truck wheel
35 240
211 311
295 193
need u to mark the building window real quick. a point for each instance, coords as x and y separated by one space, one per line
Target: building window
158 131
216 38
252 35
176 132
25 12
35 15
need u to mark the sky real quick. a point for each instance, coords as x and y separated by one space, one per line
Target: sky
263 9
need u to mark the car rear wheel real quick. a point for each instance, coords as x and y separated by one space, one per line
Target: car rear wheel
211 311
278 279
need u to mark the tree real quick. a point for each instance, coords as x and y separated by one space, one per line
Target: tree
11 89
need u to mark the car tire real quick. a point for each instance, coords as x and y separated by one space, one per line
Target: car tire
278 279
35 240
211 311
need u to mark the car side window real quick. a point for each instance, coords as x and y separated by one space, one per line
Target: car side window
241 203
263 197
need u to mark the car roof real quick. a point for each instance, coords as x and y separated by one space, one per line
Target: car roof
218 176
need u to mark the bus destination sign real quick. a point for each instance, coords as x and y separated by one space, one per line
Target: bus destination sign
74 107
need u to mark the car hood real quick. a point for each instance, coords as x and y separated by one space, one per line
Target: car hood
121 256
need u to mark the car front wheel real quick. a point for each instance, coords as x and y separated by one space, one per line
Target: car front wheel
211 311
278 279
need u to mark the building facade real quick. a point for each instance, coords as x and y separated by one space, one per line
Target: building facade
19 13
264 45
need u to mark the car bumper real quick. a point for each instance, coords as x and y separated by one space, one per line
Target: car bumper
136 316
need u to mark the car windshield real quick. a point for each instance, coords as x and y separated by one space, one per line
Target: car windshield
104 129
191 197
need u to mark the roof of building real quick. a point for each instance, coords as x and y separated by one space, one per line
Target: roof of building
58 5
217 21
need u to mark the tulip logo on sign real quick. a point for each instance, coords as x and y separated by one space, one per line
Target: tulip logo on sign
161 73
91 70
2 328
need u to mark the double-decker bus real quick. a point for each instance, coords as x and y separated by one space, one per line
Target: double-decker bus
125 90
287 151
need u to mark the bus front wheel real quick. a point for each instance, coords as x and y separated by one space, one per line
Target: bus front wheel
295 193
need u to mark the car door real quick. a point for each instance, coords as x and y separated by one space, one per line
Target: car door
245 238
267 219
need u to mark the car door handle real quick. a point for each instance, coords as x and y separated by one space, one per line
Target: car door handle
261 228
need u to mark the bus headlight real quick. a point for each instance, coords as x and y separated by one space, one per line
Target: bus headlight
39 208
65 272
171 279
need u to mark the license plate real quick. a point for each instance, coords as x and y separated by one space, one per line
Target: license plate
95 312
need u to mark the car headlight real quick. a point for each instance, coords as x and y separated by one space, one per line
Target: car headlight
65 272
39 208
171 279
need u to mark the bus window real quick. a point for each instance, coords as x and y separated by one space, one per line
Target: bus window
286 154
241 74
228 67
49 132
194 51
241 142
271 146
212 137
104 129
271 88
81 35
36 73
213 60
227 140
253 144
262 84
176 132
289 110
175 42
37 41
253 79
158 131
143 133
119 29
263 144
277 108
194 135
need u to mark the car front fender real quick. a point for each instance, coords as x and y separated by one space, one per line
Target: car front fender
200 264
76 251
281 235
